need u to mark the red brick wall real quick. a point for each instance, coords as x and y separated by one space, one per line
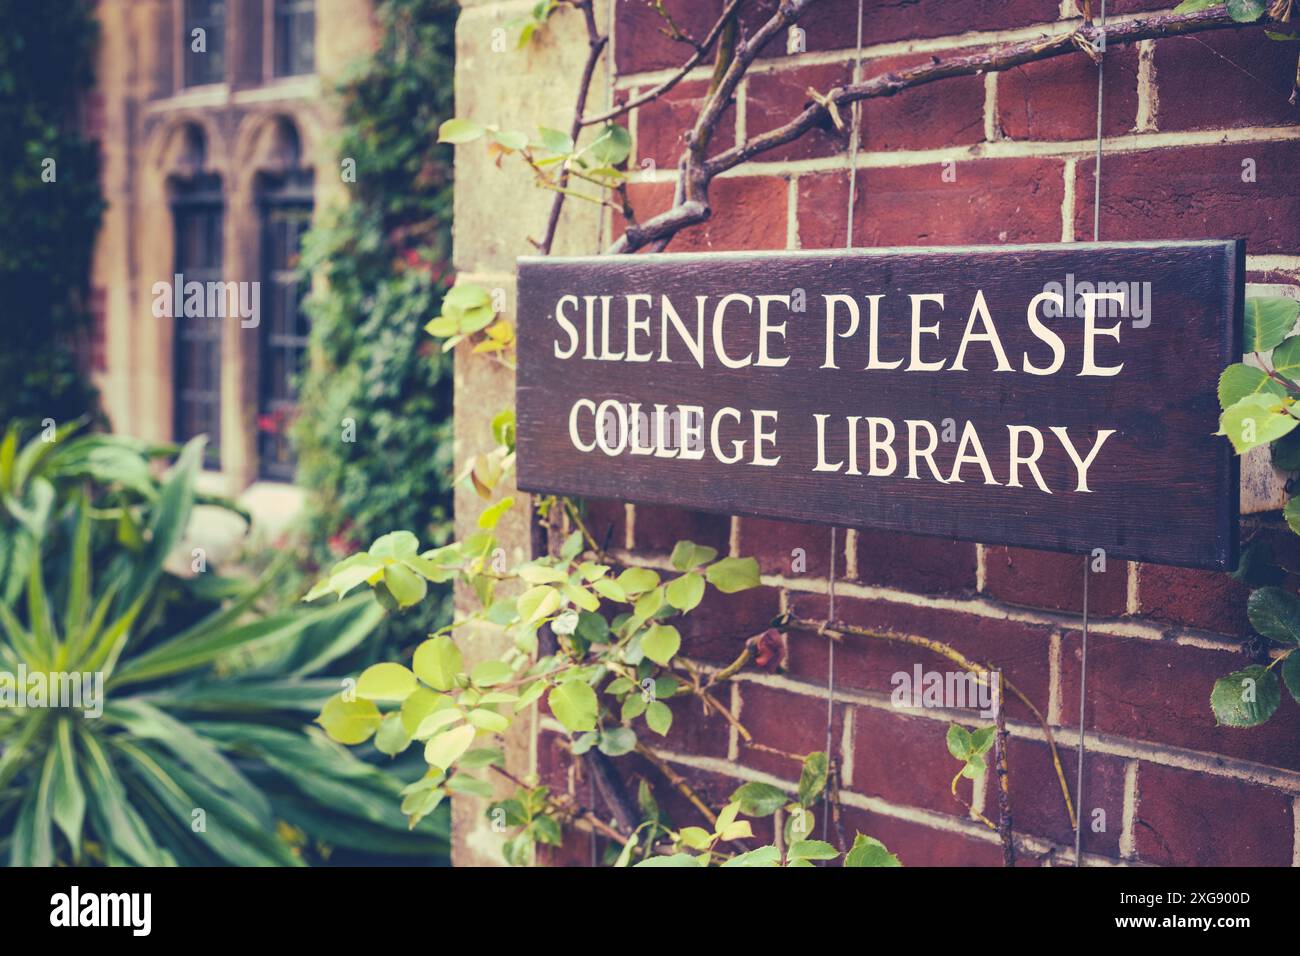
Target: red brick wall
1181 116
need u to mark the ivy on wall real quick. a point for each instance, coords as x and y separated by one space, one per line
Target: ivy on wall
374 434
50 205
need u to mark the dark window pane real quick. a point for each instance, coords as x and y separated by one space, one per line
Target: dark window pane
196 364
286 208
206 65
295 37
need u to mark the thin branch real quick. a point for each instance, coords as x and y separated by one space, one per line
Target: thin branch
595 47
701 51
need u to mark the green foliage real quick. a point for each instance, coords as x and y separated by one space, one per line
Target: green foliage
175 734
1259 408
384 258
45 249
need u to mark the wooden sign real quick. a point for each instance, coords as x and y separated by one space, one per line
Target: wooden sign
1057 396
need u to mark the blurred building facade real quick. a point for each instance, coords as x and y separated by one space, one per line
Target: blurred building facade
215 125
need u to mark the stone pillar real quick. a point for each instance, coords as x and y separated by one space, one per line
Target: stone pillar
498 210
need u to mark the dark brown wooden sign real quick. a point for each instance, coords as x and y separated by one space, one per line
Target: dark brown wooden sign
1058 396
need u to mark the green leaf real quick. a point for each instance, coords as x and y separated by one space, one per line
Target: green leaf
1247 11
349 722
981 740
959 741
680 859
1291 674
634 581
537 603
617 741
812 777
1286 452
511 139
759 799
1247 698
1240 380
1275 613
733 574
385 681
763 856
1286 359
1269 320
437 662
574 705
391 738
68 799
812 850
457 130
1256 420
611 147
1194 6
1292 514
491 516
554 141
868 851
406 587
395 544
489 720
444 749
491 672
660 643
687 555
658 717
686 592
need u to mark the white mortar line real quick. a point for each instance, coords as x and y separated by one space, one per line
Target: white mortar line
1053 711
991 107
1068 199
1127 837
850 554
1148 93
792 213
846 749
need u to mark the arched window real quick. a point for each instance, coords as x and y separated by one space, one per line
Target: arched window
285 206
196 361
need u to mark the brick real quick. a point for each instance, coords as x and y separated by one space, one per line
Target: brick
659 528
789 549
832 24
1057 99
864 663
1038 806
991 201
717 629
639 41
662 125
1210 600
1224 78
606 519
905 761
934 116
912 563
774 98
749 212
1185 818
916 844
1159 691
1054 581
695 730
1198 193
787 721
